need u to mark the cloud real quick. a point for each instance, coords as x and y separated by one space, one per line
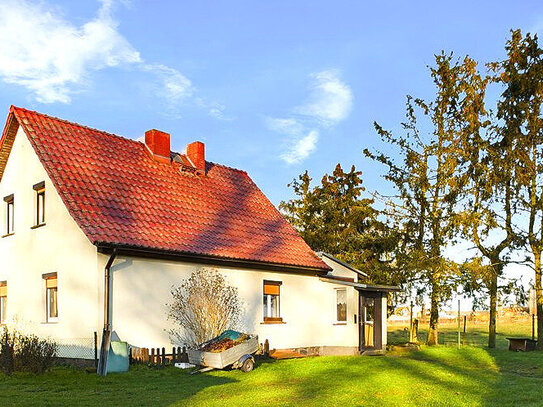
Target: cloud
329 102
46 54
301 148
54 59
174 86
330 99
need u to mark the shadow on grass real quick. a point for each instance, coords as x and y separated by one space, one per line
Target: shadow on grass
141 386
440 376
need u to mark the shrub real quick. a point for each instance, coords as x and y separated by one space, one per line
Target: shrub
24 352
203 306
7 351
35 355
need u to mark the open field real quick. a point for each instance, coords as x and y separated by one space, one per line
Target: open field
441 376
476 333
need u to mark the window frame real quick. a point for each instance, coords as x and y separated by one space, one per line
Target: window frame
9 215
39 204
336 320
266 302
48 290
3 302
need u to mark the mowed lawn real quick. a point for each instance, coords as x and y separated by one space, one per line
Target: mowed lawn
439 376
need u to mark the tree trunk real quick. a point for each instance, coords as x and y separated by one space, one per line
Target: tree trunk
493 288
433 338
538 297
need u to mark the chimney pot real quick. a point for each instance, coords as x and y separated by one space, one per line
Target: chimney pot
196 155
158 143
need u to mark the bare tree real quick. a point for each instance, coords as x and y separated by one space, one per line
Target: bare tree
203 306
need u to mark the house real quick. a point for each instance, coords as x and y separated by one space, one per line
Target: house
97 228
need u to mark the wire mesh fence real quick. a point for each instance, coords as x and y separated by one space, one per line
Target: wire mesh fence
77 348
472 332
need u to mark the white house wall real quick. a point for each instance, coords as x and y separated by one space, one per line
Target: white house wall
142 288
59 246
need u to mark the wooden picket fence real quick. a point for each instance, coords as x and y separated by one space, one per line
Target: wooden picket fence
158 356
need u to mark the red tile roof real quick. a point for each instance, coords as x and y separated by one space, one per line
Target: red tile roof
119 195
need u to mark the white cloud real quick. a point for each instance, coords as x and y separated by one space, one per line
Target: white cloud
53 58
174 86
46 54
286 126
330 99
329 102
301 148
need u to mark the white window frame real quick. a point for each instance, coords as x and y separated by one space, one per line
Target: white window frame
267 303
10 215
48 291
336 321
39 204
3 308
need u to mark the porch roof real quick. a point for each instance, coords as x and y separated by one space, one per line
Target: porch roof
361 286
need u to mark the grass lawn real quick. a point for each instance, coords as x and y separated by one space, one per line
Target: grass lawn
440 376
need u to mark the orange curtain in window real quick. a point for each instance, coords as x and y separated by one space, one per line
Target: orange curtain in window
271 288
3 290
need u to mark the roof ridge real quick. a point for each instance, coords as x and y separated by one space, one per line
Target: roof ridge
13 107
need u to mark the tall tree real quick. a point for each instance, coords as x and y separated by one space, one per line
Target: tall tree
334 217
487 181
425 181
519 109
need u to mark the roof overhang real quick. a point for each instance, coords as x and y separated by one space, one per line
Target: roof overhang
107 248
342 263
361 286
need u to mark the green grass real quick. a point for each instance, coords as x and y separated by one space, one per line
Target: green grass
439 376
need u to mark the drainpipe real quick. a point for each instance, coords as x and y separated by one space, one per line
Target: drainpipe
106 335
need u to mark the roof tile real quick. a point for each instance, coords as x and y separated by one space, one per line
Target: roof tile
119 195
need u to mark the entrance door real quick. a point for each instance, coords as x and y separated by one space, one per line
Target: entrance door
367 322
372 320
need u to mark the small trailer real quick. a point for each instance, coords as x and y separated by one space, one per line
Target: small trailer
240 356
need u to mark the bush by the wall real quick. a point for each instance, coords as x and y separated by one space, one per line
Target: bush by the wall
24 352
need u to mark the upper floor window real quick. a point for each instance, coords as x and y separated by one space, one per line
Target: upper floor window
271 302
10 214
3 301
341 305
51 297
40 203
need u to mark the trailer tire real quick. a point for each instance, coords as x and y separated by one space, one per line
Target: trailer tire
248 365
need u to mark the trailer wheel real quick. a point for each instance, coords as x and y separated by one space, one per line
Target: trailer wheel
248 365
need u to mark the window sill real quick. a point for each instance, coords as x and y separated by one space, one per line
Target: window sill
272 322
8 234
339 323
49 322
38 226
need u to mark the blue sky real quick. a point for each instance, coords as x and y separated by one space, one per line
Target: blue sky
271 87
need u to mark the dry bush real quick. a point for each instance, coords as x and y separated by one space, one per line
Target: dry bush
203 306
23 352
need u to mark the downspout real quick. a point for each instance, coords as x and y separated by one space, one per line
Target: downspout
106 335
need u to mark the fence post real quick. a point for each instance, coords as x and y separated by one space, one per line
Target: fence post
464 336
95 349
533 327
152 359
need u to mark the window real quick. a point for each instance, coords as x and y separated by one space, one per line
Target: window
10 214
271 303
51 297
341 305
40 204
3 301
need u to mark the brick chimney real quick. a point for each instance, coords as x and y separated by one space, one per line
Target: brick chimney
158 144
196 155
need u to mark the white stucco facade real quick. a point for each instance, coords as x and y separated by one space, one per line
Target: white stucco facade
307 305
140 286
